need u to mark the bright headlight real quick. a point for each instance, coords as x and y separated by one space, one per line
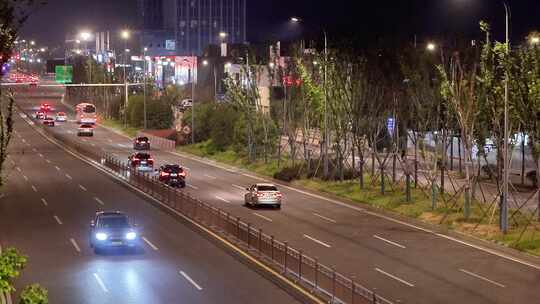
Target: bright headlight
131 235
100 236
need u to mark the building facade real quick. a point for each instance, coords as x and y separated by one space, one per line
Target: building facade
200 22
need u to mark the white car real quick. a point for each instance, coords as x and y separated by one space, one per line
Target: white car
61 117
85 130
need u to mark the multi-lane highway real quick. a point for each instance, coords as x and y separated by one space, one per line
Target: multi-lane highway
403 262
45 212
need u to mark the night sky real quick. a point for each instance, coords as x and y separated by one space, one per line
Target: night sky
267 19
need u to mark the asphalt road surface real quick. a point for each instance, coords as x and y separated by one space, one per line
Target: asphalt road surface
45 212
402 262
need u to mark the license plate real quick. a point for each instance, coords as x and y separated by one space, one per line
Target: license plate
143 163
174 174
116 243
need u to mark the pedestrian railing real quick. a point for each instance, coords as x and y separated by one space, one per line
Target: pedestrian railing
290 262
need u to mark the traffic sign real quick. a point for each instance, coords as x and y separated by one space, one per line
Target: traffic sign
64 73
391 125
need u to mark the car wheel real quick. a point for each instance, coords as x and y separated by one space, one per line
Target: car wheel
278 206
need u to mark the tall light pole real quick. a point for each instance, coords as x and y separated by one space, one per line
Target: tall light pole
144 89
326 134
125 36
504 202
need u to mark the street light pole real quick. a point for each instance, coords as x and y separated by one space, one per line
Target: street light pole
504 202
144 89
326 133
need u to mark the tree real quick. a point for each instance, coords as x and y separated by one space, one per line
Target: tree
13 14
34 294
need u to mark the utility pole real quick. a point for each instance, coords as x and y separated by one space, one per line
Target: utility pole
504 198
326 133
192 99
144 89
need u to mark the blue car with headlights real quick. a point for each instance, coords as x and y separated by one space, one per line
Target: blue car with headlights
112 230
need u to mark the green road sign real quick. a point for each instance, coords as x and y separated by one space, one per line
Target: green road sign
64 73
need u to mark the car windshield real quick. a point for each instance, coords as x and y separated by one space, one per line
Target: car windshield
142 156
173 169
266 188
86 126
113 222
142 138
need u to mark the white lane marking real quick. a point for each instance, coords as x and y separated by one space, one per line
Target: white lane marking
99 201
29 145
70 132
222 199
18 169
23 140
25 178
44 201
149 243
210 176
262 216
100 282
239 187
493 252
48 161
84 139
186 168
388 241
40 155
34 188
13 162
317 241
110 140
122 146
93 144
68 176
325 218
58 220
394 277
34 149
82 187
191 280
75 245
192 187
57 168
482 278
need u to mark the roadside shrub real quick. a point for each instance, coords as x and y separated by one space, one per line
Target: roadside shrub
490 171
34 294
288 174
532 177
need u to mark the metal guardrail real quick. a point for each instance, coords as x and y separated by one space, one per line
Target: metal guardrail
293 263
159 142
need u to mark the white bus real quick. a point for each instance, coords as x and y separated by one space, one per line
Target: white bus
86 113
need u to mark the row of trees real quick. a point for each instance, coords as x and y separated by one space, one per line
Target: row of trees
400 108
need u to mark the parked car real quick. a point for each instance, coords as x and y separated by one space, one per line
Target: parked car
263 195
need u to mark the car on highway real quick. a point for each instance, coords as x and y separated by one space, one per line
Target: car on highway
40 115
112 229
48 121
141 161
85 130
141 143
173 175
45 107
61 117
263 195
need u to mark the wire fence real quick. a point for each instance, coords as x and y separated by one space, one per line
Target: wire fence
293 263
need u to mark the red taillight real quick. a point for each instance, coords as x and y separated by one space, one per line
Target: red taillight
260 194
135 159
165 174
278 194
183 173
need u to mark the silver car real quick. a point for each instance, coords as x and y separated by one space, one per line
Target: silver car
263 195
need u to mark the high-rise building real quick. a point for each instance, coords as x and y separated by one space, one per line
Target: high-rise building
199 23
151 14
193 24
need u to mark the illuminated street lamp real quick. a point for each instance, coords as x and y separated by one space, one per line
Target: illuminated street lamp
431 47
222 35
534 40
125 34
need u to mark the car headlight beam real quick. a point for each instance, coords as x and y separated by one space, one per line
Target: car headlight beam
100 236
131 235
